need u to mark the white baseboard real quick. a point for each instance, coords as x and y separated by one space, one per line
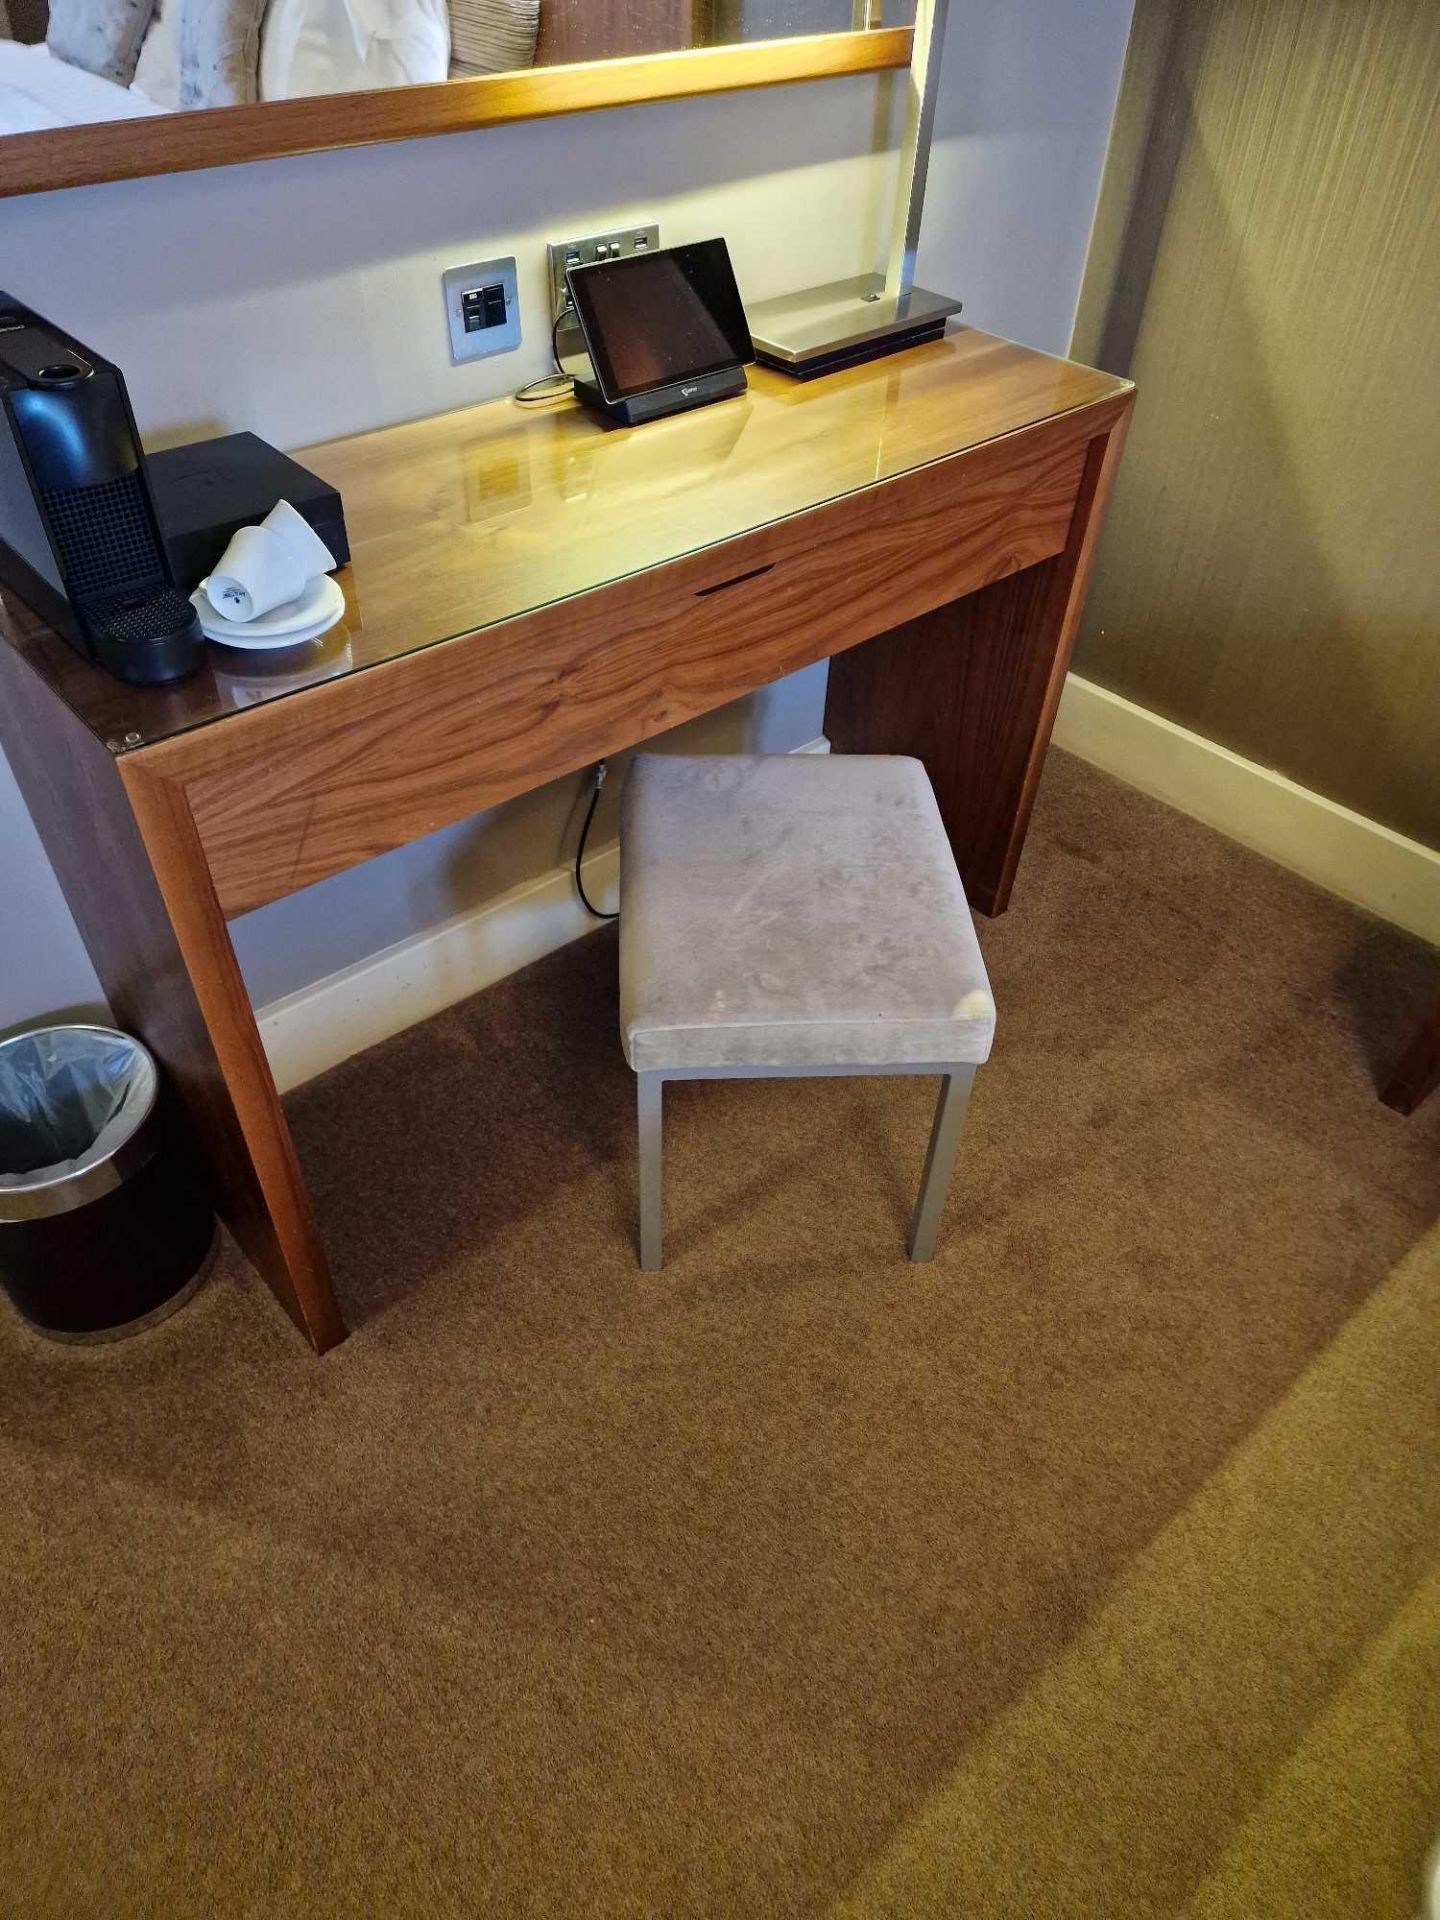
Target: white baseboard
1345 853
320 1025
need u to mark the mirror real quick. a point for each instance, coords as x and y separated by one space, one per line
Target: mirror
110 89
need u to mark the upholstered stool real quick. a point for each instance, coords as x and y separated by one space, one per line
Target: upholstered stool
795 914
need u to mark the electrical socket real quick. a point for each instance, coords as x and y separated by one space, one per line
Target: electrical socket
596 246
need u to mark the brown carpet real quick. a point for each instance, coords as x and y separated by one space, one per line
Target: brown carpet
1093 1570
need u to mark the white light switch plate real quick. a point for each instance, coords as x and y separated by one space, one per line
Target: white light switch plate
476 344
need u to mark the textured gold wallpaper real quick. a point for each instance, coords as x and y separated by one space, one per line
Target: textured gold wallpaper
1266 264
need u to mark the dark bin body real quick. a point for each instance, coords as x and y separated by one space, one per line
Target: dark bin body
101 1267
117 1246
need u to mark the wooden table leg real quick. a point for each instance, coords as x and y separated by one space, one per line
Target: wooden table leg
130 864
1417 1073
972 688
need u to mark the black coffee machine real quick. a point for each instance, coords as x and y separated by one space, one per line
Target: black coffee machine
79 538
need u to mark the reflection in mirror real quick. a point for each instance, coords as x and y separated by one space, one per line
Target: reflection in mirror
77 62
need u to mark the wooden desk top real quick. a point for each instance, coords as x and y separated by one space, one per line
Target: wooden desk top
469 519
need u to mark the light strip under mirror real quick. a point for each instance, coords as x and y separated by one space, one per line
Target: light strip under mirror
225 136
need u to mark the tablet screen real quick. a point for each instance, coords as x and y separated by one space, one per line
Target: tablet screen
657 318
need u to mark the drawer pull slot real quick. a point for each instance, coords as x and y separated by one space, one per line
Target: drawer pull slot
702 593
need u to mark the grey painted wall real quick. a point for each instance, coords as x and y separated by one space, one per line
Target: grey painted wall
300 298
1276 589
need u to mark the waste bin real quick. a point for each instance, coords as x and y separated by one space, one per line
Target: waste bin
105 1216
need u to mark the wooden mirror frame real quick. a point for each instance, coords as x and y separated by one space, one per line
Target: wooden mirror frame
225 136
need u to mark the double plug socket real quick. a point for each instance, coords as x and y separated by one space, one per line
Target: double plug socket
618 245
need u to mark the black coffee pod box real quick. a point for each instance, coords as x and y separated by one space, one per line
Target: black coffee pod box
205 492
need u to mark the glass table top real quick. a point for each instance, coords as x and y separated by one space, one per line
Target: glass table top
473 518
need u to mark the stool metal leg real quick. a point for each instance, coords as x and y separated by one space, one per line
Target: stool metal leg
939 1161
649 1091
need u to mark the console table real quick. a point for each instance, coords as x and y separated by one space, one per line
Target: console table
529 592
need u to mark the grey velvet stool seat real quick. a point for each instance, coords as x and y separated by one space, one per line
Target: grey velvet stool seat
795 914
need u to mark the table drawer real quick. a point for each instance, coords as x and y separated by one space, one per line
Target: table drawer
293 792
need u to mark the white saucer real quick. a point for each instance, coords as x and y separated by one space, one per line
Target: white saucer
314 613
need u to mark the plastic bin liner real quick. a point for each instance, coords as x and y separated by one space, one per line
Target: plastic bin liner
68 1098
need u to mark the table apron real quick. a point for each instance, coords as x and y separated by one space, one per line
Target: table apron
292 792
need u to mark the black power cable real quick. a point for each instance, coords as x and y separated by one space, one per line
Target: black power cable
550 386
601 769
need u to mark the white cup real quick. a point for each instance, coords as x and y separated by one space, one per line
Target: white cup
257 572
264 567
291 526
